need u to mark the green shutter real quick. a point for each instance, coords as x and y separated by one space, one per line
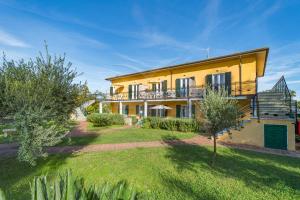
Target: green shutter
130 92
111 91
153 112
126 109
164 87
178 109
177 85
153 87
138 91
137 110
228 82
208 81
193 110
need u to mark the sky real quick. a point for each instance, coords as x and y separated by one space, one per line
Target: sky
108 38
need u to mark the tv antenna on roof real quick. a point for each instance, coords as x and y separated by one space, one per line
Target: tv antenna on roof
207 52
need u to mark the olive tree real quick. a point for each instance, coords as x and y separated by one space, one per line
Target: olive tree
219 112
39 95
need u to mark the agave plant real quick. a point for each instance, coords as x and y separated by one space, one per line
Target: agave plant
2 195
64 187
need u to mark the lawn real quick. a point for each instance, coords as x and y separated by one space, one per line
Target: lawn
111 136
181 172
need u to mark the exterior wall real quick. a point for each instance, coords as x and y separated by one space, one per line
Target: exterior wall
199 71
132 106
253 133
172 104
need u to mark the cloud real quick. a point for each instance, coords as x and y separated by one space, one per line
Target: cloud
133 60
293 82
11 40
212 19
85 40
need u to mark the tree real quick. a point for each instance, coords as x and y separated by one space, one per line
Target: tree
85 94
39 95
219 112
293 93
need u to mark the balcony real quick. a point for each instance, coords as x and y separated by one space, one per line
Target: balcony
237 89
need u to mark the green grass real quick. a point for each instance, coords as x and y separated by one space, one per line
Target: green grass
181 172
110 136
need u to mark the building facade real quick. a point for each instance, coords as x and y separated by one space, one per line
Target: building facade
175 90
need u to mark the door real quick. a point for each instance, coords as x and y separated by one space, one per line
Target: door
275 136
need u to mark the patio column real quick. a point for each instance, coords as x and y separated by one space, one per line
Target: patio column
190 108
120 108
145 108
100 107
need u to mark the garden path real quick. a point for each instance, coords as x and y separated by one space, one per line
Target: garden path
81 130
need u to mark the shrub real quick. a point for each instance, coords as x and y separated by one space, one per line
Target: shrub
100 120
186 125
117 119
153 122
169 124
183 125
134 119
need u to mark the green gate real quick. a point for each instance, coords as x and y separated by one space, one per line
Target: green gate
275 136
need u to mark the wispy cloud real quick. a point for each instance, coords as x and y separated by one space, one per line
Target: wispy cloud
211 16
86 40
132 60
11 40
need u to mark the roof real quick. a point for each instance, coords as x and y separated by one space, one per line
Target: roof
262 55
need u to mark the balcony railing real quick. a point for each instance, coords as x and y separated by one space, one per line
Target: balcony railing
237 89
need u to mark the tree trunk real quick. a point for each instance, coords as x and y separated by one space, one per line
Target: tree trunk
215 150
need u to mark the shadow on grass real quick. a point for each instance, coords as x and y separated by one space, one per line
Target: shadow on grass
256 170
15 176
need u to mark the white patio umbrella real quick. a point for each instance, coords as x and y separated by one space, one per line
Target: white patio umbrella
160 107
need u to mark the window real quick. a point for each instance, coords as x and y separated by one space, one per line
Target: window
139 110
218 81
182 111
133 91
125 109
183 86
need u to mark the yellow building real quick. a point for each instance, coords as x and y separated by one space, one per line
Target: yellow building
177 88
174 91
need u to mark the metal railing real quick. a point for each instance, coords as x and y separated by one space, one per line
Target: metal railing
236 89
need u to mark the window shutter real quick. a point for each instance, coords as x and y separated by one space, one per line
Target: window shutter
153 87
137 110
130 92
164 87
178 108
228 82
177 85
126 109
137 91
153 113
111 91
208 81
193 110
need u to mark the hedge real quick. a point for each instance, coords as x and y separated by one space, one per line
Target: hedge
105 119
172 124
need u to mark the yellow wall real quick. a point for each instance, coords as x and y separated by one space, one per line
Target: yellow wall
199 71
132 106
253 133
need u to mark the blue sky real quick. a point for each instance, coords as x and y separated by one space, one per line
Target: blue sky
107 38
